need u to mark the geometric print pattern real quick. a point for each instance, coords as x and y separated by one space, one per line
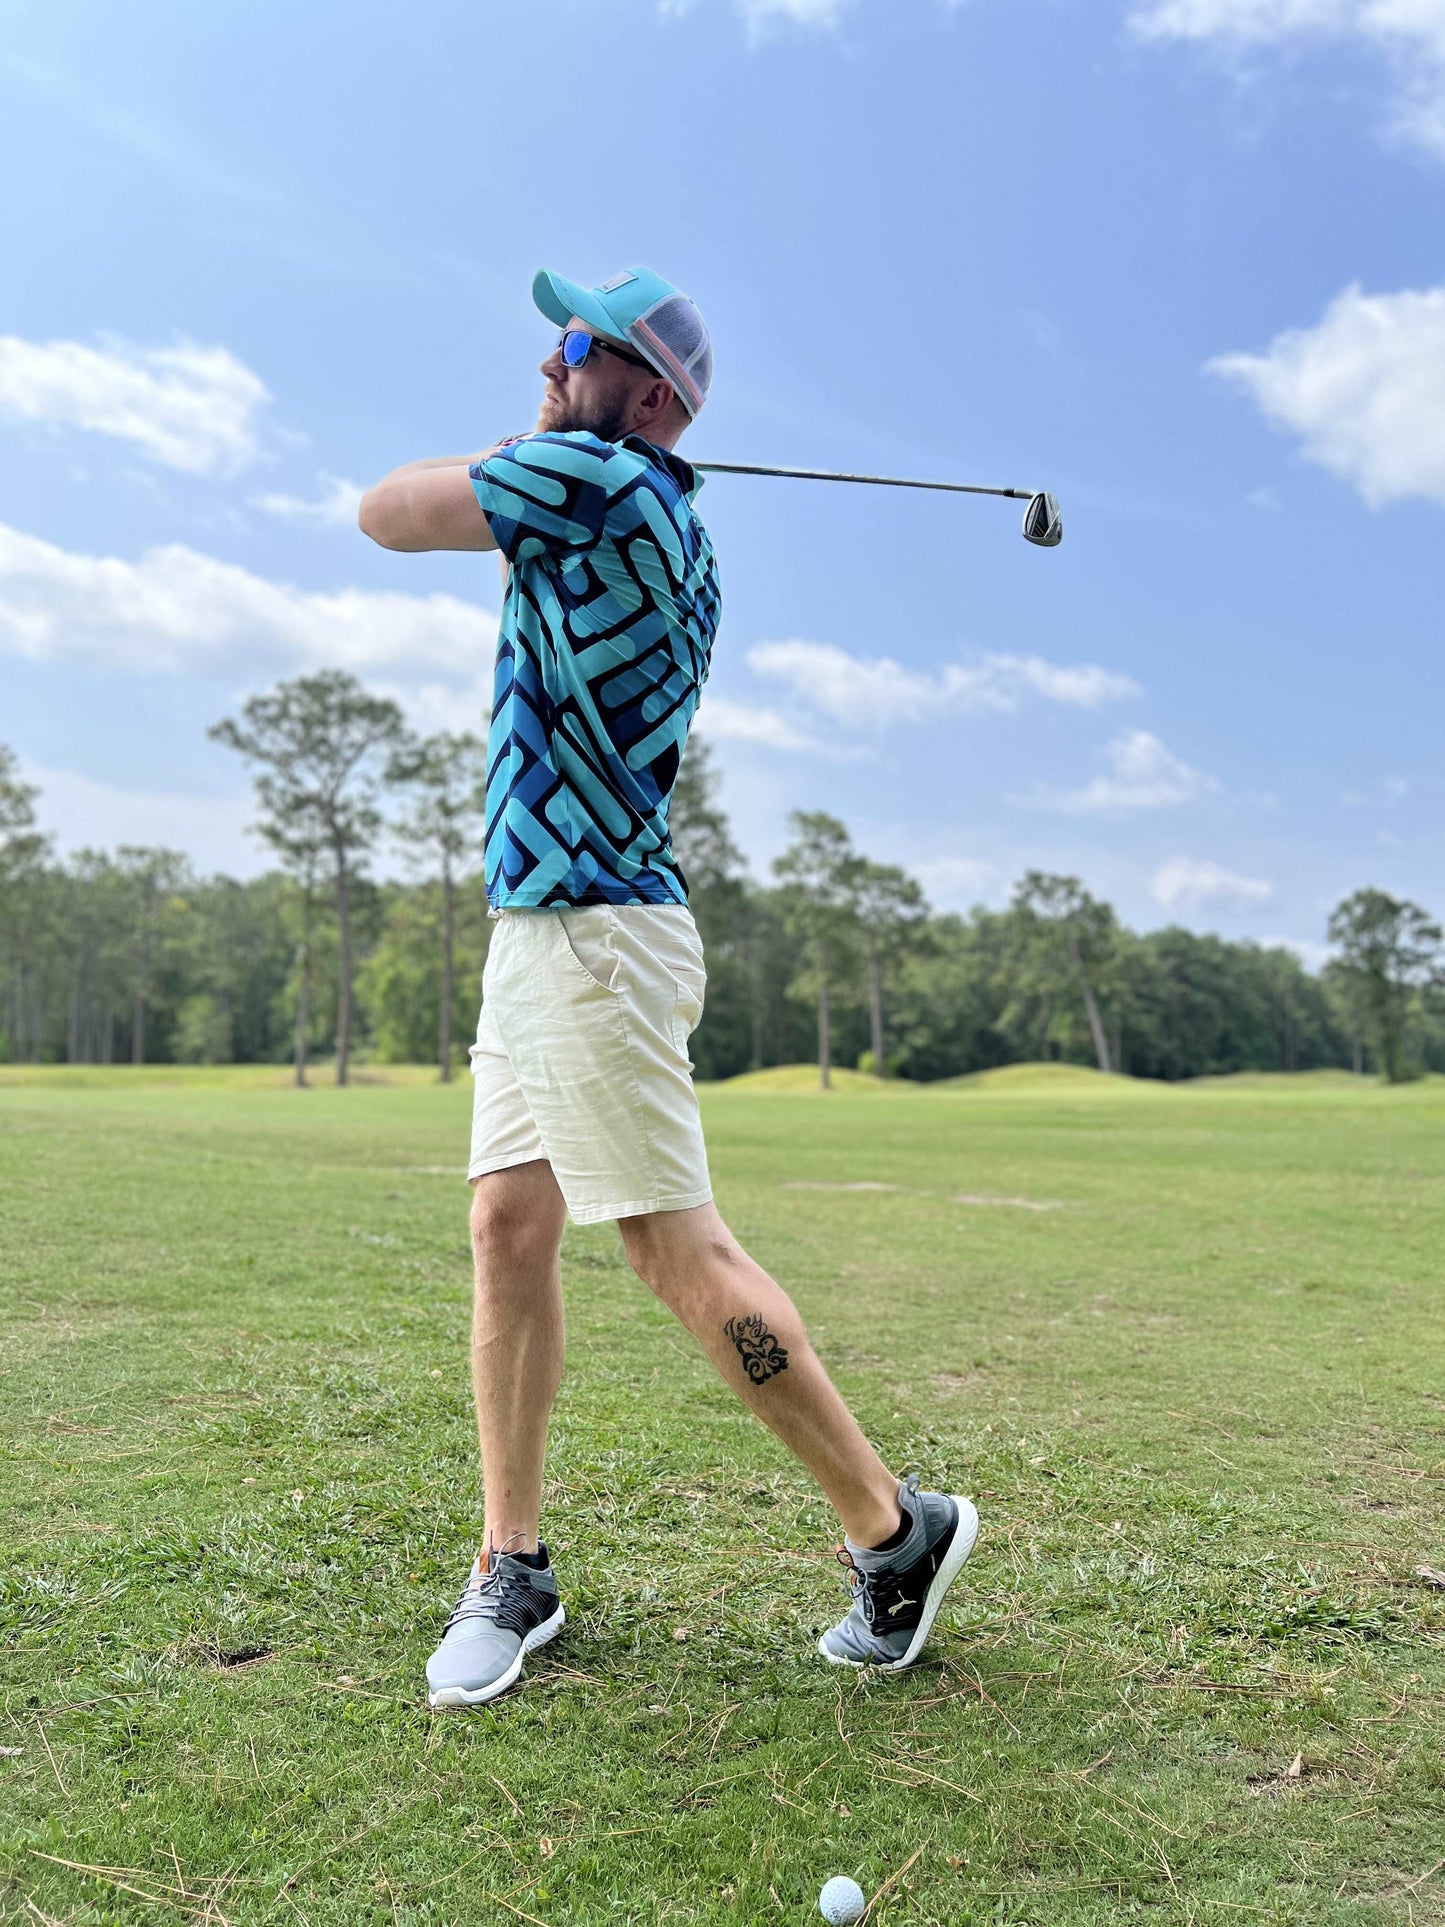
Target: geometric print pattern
606 638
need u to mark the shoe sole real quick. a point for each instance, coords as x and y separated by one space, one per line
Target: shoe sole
463 1696
965 1538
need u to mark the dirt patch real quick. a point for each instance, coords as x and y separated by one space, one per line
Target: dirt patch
857 1184
1418 1899
233 1657
955 1384
1008 1204
1285 1780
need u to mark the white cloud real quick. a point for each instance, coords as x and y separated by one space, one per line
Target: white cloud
1409 34
1184 884
83 813
335 507
799 13
186 407
1144 776
1254 21
1364 389
874 691
1313 955
433 706
957 880
176 609
759 15
1083 685
734 722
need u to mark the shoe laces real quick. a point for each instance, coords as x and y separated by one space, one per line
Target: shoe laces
875 1588
486 1594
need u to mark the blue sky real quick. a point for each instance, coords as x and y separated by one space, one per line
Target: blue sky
1181 261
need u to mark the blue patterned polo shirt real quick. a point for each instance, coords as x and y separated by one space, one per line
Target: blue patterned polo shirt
607 629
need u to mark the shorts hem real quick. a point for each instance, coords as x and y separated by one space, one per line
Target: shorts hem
637 1207
483 1167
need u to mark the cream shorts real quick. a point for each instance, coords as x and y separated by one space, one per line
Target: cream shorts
581 1056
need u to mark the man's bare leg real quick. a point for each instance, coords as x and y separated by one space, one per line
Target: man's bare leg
733 1308
517 1340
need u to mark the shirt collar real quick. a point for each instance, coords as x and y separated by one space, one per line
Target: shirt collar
683 473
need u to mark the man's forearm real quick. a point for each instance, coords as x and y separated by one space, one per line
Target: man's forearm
427 505
437 461
452 461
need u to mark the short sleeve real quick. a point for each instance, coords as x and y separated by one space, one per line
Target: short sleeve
545 494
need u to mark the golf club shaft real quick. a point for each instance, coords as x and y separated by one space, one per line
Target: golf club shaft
881 481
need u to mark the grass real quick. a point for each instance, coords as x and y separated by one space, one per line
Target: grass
1192 1676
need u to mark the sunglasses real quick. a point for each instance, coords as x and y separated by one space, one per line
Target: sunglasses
576 345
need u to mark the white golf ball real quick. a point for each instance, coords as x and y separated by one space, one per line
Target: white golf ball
841 1901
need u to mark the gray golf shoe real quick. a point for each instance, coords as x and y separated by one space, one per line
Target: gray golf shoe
507 1610
897 1594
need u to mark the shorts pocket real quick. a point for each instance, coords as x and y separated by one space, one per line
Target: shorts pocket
588 947
687 1010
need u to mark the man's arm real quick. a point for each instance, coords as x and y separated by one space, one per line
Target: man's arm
427 505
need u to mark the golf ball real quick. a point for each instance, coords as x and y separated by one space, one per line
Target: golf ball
841 1901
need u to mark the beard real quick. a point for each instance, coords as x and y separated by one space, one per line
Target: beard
608 422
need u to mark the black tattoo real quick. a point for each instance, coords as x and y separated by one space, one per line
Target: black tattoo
763 1357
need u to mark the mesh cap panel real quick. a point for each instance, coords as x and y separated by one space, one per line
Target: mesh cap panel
674 338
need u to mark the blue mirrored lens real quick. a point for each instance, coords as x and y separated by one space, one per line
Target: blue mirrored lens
576 346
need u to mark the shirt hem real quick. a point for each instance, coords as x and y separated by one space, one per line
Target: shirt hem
587 900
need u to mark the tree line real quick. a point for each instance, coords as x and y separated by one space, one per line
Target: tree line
131 956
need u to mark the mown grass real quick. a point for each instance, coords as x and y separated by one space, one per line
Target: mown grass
1186 1346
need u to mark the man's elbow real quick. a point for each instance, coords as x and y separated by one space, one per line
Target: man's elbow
379 517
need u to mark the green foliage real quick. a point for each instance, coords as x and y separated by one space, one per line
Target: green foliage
104 948
400 983
322 746
1065 947
444 782
202 1031
818 873
728 915
1392 963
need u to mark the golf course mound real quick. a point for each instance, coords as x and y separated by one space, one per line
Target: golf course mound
1046 1079
1043 1080
1294 1082
1006 1079
788 1078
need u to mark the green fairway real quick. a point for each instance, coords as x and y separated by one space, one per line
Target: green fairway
1186 1346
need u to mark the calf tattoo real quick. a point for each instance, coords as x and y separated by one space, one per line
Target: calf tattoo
763 1357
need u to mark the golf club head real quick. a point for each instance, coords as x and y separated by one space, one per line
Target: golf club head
1043 524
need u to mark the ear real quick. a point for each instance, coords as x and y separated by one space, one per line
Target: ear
654 402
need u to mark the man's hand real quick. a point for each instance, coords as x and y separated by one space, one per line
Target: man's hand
429 505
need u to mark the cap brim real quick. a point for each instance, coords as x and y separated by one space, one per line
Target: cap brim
560 299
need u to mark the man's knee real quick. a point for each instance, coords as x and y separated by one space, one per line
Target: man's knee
668 1255
516 1226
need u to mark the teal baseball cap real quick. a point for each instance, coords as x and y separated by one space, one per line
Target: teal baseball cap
650 314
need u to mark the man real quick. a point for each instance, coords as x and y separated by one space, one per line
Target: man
594 980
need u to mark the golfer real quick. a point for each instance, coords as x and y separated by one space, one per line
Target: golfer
584 1104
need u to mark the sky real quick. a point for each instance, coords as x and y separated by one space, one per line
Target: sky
1182 262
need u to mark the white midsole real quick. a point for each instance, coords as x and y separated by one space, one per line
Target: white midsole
965 1538
465 1696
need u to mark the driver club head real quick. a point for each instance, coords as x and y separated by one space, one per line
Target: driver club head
1043 524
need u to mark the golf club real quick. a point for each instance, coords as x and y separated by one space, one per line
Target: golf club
1043 523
